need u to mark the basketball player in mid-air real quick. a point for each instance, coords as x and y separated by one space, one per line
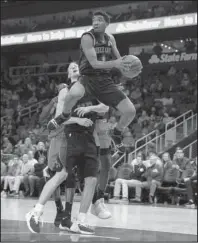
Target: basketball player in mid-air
99 54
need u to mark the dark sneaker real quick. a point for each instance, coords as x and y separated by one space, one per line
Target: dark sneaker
81 228
58 218
53 124
190 204
65 224
33 220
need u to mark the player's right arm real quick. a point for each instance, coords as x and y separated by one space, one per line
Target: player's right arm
87 45
80 121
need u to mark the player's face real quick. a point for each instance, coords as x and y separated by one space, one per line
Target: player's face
99 24
73 70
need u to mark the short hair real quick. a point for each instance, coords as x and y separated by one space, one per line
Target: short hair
102 13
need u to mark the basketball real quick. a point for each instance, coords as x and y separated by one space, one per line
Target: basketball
131 66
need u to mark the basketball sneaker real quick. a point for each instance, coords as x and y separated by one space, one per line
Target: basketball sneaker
81 228
124 200
114 200
65 223
58 218
100 210
56 122
190 204
33 220
4 194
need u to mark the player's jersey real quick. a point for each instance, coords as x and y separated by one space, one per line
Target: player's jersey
86 100
103 52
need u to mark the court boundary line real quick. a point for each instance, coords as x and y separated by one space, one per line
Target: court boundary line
62 233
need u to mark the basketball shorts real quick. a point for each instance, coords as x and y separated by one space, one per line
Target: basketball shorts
103 88
57 151
82 151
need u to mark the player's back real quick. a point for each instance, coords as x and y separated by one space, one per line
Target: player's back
86 100
103 51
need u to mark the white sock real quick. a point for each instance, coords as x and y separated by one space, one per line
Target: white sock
81 217
39 208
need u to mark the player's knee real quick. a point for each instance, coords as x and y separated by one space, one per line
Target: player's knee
130 110
62 174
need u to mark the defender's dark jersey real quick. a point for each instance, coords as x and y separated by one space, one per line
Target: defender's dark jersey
86 100
103 52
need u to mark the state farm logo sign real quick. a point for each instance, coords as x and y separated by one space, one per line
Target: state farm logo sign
166 58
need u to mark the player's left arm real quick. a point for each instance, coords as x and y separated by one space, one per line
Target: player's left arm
100 108
115 51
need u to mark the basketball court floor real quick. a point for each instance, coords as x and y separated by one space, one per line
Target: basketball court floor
128 223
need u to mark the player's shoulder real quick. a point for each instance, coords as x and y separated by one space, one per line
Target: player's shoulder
111 37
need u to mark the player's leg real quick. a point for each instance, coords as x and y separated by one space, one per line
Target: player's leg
58 141
98 208
112 96
33 217
69 197
90 173
76 92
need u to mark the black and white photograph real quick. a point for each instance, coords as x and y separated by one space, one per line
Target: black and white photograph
98 121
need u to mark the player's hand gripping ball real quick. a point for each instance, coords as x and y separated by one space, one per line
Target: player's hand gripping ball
130 66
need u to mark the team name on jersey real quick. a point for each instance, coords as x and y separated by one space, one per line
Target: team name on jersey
103 50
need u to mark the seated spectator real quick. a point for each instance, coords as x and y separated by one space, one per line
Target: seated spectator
136 177
31 157
41 151
180 159
154 176
6 146
26 169
14 169
171 172
166 100
36 130
143 117
3 171
191 184
23 148
36 178
32 99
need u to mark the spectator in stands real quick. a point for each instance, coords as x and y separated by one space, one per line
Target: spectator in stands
166 100
26 169
171 170
6 146
180 160
23 148
136 178
171 173
31 157
3 171
144 117
154 176
14 169
41 152
33 99
191 185
35 179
